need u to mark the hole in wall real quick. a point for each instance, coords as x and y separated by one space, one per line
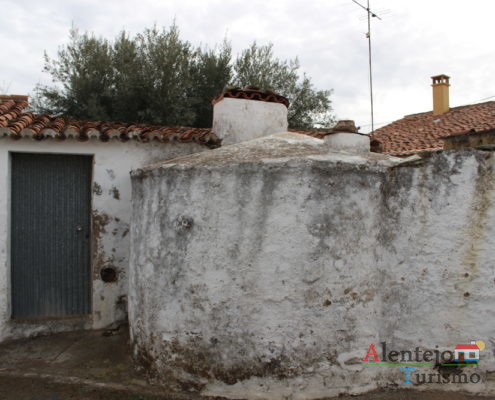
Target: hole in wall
108 274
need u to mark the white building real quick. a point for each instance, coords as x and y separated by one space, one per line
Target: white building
65 196
265 268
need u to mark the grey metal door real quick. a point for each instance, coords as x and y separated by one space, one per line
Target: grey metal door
50 234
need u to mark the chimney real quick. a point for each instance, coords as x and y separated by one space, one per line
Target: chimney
245 114
344 136
440 94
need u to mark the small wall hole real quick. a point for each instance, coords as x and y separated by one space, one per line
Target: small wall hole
108 274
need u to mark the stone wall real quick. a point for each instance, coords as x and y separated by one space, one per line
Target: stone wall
266 269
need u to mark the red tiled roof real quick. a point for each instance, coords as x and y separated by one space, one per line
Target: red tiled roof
419 132
16 124
466 347
252 94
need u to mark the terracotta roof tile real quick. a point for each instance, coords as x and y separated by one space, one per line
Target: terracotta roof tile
251 94
16 124
424 131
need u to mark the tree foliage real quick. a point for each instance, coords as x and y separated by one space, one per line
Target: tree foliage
156 77
258 66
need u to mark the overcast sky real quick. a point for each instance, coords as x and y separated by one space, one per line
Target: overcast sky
414 40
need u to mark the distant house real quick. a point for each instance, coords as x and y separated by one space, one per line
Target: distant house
428 130
467 353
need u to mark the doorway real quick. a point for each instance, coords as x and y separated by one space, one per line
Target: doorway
50 234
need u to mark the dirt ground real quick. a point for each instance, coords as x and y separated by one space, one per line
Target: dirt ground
91 366
18 388
75 365
15 388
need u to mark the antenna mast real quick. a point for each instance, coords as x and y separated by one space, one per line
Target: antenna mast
368 35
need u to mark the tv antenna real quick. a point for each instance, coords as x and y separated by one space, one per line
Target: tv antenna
368 35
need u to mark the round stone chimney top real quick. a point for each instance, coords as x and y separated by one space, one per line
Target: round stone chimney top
345 126
344 136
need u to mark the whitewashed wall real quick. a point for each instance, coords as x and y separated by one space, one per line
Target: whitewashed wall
238 120
266 269
111 198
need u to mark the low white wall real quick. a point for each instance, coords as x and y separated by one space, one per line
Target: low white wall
111 199
269 277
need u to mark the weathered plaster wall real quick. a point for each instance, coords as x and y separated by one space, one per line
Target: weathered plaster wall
480 139
238 120
348 142
266 269
111 198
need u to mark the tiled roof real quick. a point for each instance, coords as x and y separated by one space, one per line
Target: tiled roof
419 132
16 124
467 347
251 94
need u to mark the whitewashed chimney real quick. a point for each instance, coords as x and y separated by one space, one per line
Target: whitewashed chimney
245 114
344 136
